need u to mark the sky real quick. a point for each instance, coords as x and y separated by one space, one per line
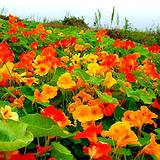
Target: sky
140 13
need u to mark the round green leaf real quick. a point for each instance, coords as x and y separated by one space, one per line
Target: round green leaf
13 135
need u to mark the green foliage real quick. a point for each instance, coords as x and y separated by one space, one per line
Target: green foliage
112 16
60 152
118 113
106 98
87 78
14 135
41 126
74 21
97 22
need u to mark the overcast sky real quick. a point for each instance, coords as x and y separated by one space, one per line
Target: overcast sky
140 13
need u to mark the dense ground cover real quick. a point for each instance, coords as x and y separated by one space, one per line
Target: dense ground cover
74 94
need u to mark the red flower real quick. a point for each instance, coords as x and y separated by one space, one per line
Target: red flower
14 39
19 156
5 53
100 34
99 151
26 60
51 158
156 104
34 45
154 48
110 61
108 108
130 77
56 115
90 133
41 150
124 44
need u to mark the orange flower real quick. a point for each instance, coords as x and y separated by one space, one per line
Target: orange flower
18 102
84 96
109 80
151 148
121 132
85 113
73 105
140 117
78 47
65 81
49 91
29 81
39 97
6 113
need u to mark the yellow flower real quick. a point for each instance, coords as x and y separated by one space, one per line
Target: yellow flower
65 59
65 81
6 70
81 31
49 91
89 58
42 69
121 132
6 113
109 80
49 31
85 113
93 69
76 58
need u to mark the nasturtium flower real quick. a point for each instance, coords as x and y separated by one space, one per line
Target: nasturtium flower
151 148
78 47
41 150
65 81
6 113
109 80
90 133
65 59
42 69
34 45
75 58
139 117
93 69
6 71
49 91
29 80
98 151
89 58
85 113
6 54
19 156
121 133
56 115
39 97
18 102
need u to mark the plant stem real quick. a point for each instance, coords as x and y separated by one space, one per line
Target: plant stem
5 157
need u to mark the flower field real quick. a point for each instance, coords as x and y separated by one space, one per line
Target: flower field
72 94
